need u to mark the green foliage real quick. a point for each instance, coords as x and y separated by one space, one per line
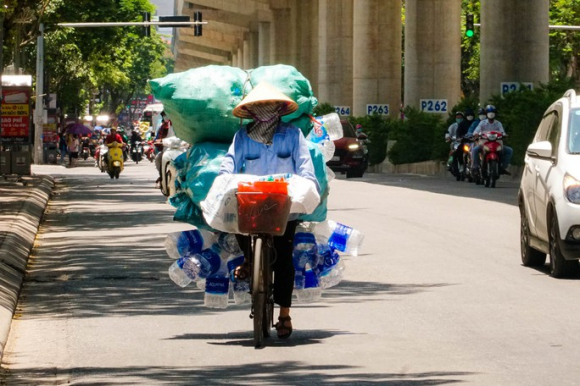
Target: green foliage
520 113
564 44
416 137
377 129
322 109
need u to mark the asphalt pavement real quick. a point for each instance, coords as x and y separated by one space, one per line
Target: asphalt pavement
437 296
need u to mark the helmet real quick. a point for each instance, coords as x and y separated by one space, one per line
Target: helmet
481 111
459 113
490 109
468 112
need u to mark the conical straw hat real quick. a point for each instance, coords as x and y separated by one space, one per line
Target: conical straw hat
264 93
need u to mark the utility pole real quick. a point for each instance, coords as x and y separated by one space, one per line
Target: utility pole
39 109
2 10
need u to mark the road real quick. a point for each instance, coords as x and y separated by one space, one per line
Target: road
438 296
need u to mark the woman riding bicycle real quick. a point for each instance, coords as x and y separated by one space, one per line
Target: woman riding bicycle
269 146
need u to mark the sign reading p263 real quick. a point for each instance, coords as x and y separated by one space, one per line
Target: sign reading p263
382 109
434 105
514 86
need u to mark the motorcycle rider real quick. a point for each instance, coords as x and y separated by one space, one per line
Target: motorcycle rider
135 137
162 133
113 137
480 117
485 126
452 129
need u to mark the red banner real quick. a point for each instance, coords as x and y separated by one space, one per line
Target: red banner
15 112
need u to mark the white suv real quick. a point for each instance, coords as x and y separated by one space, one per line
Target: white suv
549 196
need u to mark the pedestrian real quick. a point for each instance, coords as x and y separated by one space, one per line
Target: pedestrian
62 147
269 146
73 149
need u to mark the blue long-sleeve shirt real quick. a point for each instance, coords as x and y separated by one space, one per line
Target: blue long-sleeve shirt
288 153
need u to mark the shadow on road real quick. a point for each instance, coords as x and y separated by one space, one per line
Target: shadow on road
506 191
267 373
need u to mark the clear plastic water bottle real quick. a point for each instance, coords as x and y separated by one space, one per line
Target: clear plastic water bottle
228 243
332 277
311 291
210 262
217 289
177 274
339 236
299 279
187 243
242 292
332 124
304 250
191 267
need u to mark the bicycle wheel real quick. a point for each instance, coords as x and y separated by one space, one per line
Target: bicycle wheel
258 294
267 281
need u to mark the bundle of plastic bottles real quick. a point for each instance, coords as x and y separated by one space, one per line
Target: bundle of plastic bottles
209 259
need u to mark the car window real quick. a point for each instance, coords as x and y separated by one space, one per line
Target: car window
574 131
554 133
544 128
348 130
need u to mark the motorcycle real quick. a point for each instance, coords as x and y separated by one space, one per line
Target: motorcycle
149 151
137 152
490 158
85 152
115 161
101 157
466 148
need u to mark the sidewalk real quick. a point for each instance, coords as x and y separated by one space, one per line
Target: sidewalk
22 205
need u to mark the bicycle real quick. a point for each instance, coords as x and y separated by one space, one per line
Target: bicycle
263 215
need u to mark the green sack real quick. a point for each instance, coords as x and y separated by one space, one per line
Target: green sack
200 101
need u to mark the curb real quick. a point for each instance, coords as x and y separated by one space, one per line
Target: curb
16 248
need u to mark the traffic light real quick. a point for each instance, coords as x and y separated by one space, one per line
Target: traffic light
197 28
147 17
469 25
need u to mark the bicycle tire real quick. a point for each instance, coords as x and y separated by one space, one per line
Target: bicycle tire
258 294
267 281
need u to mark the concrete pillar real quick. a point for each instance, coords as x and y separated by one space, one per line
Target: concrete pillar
335 48
280 36
295 33
264 44
253 49
515 44
432 51
240 56
308 41
246 52
377 44
235 59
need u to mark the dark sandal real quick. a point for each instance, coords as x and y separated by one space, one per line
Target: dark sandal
281 326
243 272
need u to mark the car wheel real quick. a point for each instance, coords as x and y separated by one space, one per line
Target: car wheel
559 267
530 257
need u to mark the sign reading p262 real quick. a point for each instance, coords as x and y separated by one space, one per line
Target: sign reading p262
382 109
434 105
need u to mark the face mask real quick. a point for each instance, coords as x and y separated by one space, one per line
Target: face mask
459 120
470 118
491 115
482 117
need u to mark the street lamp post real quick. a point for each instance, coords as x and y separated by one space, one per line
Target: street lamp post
39 108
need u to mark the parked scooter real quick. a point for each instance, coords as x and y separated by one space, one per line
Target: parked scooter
115 161
490 158
136 152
